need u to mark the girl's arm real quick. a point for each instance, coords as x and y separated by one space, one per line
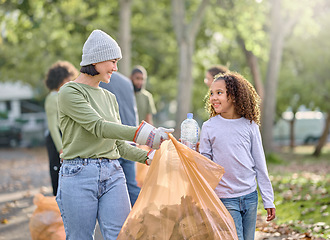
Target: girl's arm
264 184
205 147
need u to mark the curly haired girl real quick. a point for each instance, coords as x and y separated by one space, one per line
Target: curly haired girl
231 138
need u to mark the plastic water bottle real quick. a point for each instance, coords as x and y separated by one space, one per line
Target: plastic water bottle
189 132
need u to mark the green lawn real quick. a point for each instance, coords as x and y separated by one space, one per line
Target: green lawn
302 190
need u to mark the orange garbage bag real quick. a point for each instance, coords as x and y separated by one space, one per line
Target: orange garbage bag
141 173
141 169
177 199
46 221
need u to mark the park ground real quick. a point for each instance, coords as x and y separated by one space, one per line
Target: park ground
24 173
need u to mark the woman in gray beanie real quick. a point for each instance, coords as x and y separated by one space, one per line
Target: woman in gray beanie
92 183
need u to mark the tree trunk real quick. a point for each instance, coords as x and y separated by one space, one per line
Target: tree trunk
125 36
185 85
269 105
292 133
279 30
324 137
185 35
254 67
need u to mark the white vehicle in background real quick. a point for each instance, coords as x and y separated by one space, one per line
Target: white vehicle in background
308 127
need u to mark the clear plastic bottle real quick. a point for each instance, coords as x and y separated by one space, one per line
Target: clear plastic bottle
190 132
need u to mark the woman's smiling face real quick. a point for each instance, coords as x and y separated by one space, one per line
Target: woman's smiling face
106 69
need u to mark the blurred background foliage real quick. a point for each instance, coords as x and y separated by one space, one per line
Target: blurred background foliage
36 33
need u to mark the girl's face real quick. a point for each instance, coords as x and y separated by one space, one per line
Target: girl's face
106 69
220 101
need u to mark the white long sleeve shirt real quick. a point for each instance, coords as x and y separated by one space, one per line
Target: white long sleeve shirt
236 145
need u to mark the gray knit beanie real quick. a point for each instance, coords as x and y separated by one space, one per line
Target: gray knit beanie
99 47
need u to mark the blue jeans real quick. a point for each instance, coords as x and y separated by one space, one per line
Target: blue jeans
91 189
244 212
129 171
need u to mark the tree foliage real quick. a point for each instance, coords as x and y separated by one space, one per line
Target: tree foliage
36 33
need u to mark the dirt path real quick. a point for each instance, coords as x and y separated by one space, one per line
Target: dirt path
23 173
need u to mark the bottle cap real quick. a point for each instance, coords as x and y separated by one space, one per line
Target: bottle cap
190 115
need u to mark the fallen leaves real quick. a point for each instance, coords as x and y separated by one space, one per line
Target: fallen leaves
302 200
286 231
4 221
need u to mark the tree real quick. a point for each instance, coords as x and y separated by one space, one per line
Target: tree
248 24
185 35
317 74
280 28
304 80
125 36
35 34
155 48
290 93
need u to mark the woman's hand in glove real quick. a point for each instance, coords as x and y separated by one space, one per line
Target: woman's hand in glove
148 135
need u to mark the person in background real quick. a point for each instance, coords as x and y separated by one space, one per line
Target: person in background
146 110
144 100
232 139
58 74
92 184
212 72
122 88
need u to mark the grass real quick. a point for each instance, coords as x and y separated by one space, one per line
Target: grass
301 185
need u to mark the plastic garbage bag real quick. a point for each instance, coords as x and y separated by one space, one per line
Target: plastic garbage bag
46 221
177 200
141 169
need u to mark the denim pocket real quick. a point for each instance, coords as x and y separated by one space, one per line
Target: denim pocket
70 170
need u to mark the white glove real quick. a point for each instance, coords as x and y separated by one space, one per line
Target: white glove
150 155
148 135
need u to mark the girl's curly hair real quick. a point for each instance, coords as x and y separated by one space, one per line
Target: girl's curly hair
245 98
58 72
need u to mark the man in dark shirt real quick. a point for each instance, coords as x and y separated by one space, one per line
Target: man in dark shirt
122 88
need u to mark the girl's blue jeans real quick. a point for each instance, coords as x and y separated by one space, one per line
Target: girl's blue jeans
91 189
244 212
